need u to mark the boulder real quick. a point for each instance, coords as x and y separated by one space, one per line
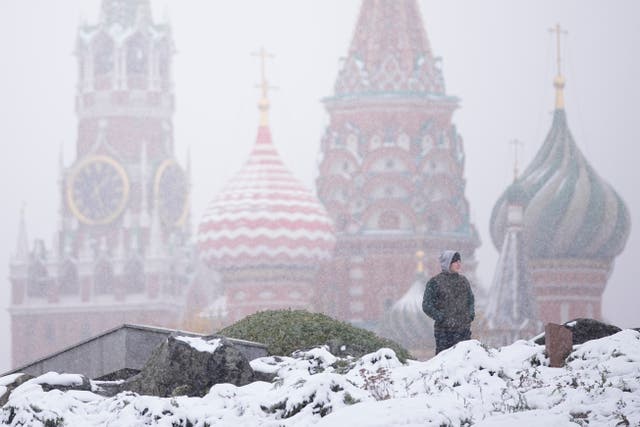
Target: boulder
11 383
63 382
190 366
584 330
49 381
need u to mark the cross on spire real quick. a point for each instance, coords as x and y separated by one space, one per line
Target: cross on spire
263 104
558 31
516 143
558 82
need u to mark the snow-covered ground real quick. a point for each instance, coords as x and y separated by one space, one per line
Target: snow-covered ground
465 385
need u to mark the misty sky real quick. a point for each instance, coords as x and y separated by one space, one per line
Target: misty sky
498 57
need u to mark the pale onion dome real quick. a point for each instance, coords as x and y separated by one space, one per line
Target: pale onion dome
265 217
406 323
570 212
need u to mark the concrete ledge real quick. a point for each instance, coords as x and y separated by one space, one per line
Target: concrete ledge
119 353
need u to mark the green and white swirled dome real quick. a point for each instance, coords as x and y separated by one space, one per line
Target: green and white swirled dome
570 211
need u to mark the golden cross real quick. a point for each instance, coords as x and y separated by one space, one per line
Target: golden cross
263 54
263 105
559 31
516 143
558 82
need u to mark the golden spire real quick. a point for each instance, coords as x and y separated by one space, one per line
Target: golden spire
420 255
263 104
516 143
558 82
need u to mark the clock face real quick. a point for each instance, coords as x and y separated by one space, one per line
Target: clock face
97 190
172 193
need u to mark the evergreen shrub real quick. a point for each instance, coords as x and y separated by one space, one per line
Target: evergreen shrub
285 331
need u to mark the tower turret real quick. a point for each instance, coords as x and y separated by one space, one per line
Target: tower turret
392 163
511 312
99 272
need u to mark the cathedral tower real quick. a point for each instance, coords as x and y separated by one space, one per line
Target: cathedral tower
119 254
391 172
574 224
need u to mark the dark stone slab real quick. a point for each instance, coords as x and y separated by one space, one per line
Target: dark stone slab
559 344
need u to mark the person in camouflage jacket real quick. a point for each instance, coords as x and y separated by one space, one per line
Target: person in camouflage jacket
449 301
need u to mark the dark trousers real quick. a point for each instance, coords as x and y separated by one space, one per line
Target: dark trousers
446 338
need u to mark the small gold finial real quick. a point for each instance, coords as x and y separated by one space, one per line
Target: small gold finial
516 143
420 256
559 81
263 104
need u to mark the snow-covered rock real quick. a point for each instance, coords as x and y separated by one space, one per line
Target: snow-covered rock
468 384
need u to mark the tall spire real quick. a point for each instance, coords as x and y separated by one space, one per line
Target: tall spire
511 310
126 13
559 80
390 53
22 244
263 104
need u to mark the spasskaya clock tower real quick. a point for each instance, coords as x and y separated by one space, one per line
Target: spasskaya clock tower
120 253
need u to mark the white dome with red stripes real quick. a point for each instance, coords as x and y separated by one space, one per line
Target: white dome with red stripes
265 217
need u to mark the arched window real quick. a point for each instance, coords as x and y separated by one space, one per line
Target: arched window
103 55
352 143
137 55
134 279
103 277
164 61
68 279
427 144
375 143
37 274
404 141
389 221
37 278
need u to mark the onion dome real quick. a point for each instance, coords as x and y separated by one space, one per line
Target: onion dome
570 211
264 216
405 322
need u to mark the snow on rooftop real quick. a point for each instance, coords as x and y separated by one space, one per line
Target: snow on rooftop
469 384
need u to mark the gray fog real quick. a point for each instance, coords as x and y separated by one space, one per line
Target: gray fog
498 57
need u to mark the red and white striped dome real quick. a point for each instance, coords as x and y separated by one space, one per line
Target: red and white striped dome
265 217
